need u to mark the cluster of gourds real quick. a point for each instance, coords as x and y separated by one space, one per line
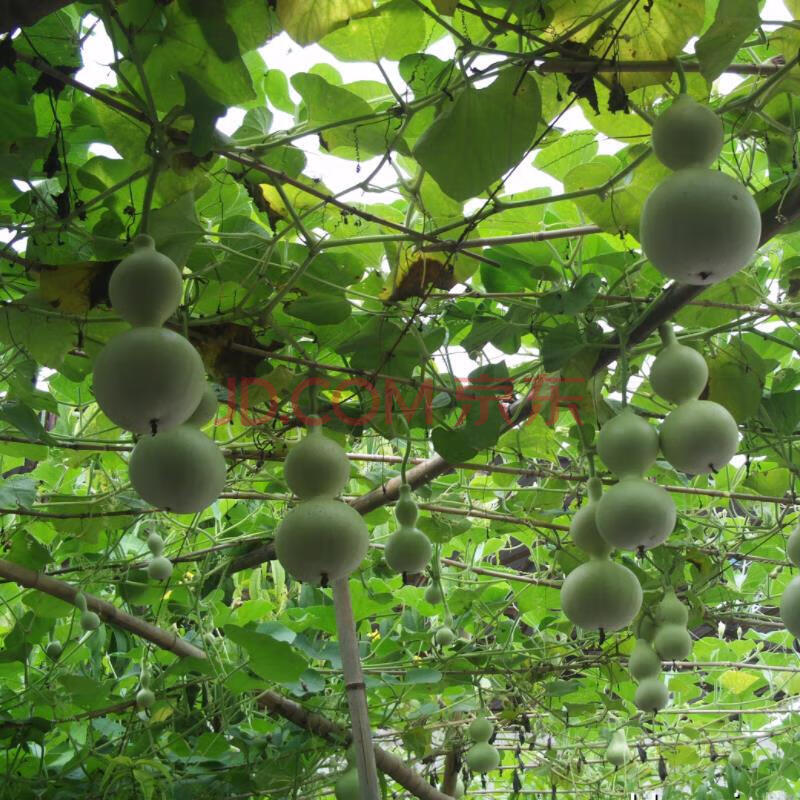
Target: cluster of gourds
321 539
698 226
160 567
408 549
145 697
482 756
151 381
699 436
666 640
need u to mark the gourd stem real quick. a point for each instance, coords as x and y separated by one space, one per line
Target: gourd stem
666 333
407 455
682 85
356 694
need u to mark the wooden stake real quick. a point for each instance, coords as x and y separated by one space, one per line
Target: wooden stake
356 693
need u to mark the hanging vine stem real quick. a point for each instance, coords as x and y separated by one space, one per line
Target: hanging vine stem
149 193
682 85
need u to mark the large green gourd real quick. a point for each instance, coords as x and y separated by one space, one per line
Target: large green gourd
627 444
687 134
583 527
317 466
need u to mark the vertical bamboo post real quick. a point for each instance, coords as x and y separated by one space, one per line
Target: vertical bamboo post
356 694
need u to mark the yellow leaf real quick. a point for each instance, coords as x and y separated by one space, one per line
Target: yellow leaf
737 681
308 21
76 288
416 274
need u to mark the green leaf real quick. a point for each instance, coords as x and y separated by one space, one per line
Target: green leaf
560 345
176 228
205 111
24 419
47 340
269 658
516 271
27 552
718 46
783 410
308 21
737 681
574 300
320 309
17 491
446 7
391 32
734 386
481 134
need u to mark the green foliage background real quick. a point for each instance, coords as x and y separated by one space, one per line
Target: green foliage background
285 278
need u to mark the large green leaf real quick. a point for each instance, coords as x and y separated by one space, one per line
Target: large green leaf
270 658
718 46
481 134
308 21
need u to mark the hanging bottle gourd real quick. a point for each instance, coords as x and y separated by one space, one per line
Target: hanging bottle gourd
321 539
433 594
182 470
89 621
617 752
698 225
583 527
145 697
148 379
698 436
408 549
444 636
790 600
54 649
159 568
482 756
672 641
634 513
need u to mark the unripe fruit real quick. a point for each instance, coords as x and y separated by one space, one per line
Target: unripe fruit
444 637
583 527
346 787
405 510
54 650
433 594
89 621
673 643
627 444
699 227
679 373
617 752
321 540
482 757
644 662
645 628
480 729
651 695
145 699
735 759
182 470
793 546
146 286
155 544
316 467
408 550
601 594
687 134
699 436
206 409
635 513
790 606
458 791
148 378
159 569
671 611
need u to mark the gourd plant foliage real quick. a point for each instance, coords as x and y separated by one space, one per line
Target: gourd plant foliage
373 235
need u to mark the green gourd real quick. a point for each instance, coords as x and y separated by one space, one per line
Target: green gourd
321 540
148 380
155 544
651 695
644 661
793 546
159 569
317 466
601 595
480 729
347 786
699 226
635 513
482 757
679 373
735 759
627 444
54 649
182 470
89 621
145 288
670 611
206 409
406 511
790 606
646 628
699 436
583 527
145 698
687 134
673 643
458 791
433 594
408 550
444 636
617 752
